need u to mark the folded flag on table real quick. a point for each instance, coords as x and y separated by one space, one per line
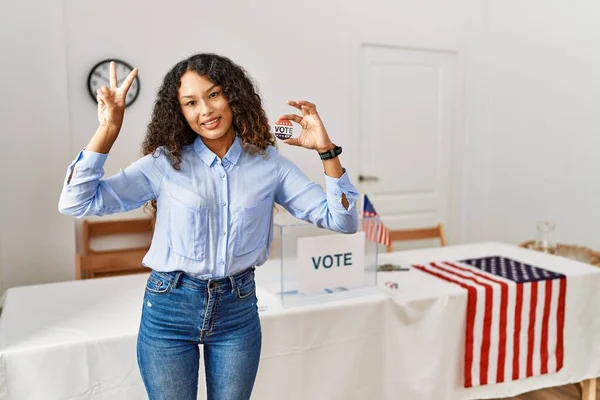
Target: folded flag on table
515 317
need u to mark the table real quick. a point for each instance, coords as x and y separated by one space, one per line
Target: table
580 253
76 340
427 320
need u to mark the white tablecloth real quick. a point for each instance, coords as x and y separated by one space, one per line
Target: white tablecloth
76 340
425 326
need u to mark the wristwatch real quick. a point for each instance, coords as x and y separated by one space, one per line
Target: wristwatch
333 153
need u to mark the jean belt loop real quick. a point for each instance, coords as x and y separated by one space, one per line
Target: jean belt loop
177 278
231 278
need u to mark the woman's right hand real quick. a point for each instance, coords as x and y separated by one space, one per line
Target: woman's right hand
111 101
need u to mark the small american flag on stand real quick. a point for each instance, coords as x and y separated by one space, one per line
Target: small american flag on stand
374 229
515 317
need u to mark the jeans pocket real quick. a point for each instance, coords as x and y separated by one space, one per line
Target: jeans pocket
246 287
158 283
187 227
255 223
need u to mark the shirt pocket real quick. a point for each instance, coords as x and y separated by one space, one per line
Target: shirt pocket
255 223
187 224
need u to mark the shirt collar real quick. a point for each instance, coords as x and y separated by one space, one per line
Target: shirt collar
233 154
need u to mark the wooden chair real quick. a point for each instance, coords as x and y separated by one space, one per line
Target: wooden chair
436 232
95 264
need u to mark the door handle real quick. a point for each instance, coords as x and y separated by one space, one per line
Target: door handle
362 178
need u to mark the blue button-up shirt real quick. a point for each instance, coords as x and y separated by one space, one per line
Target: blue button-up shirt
214 217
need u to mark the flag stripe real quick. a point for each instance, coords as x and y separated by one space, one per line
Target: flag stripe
546 319
517 332
471 305
561 323
539 320
531 335
502 332
510 328
485 343
552 340
524 334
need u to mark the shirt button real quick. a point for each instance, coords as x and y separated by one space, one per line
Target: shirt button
224 233
223 204
222 175
221 262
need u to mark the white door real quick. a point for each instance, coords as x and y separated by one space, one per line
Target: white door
406 134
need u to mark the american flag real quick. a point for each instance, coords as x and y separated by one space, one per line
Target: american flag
374 229
515 317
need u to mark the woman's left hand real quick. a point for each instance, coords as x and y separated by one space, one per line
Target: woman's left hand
314 135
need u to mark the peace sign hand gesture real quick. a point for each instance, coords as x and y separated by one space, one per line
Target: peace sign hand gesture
314 135
111 101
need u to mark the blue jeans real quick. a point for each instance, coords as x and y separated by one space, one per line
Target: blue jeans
180 312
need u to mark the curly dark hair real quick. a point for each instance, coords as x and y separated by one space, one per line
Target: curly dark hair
169 129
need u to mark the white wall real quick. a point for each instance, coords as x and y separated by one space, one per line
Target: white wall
543 122
307 50
36 242
291 52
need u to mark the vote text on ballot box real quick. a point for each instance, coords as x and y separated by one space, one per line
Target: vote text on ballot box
319 265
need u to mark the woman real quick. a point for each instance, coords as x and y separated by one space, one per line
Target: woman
211 175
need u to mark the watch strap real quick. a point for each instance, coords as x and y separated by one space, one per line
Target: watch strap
333 153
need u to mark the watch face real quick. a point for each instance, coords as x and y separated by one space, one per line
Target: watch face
100 76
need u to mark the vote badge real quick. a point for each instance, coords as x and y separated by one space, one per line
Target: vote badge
283 129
